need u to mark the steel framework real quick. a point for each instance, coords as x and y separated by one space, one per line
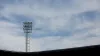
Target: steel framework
27 27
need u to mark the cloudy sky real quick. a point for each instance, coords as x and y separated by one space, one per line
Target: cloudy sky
57 24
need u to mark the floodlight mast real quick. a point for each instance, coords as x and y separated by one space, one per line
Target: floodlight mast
27 27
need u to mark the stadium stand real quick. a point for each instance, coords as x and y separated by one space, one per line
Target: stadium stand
91 50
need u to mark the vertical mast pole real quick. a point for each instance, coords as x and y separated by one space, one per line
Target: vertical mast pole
27 29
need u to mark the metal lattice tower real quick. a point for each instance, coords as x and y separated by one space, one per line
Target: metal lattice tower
27 27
